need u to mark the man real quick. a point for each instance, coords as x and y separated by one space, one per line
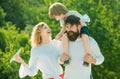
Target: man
75 69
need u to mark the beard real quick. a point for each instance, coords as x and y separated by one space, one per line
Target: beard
72 36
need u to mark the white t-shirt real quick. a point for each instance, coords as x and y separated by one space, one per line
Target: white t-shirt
71 13
76 70
45 59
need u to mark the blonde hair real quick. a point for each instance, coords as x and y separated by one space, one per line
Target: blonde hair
57 9
36 38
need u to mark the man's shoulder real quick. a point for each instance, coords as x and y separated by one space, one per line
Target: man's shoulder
92 40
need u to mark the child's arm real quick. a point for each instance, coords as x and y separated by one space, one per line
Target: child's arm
60 34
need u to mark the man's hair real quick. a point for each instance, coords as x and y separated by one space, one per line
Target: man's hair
57 9
72 19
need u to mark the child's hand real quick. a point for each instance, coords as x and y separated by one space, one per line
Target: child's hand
64 57
58 36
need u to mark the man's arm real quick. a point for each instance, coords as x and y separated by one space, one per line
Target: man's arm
95 52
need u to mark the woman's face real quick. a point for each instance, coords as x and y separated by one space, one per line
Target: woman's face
46 32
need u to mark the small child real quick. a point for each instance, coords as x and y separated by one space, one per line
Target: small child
59 12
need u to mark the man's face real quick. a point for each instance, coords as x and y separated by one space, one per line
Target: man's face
70 27
72 32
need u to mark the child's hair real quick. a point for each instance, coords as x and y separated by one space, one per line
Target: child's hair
72 19
57 9
36 38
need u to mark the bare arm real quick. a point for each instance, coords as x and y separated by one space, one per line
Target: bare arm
63 30
60 34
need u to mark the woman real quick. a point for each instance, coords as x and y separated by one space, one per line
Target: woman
44 55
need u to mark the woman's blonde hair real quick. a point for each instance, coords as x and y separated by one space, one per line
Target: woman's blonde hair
57 9
36 38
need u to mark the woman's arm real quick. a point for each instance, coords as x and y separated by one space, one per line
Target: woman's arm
60 34
19 60
30 69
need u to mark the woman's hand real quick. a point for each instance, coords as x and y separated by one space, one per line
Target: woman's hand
58 36
19 59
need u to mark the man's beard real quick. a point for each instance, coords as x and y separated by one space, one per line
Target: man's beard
72 36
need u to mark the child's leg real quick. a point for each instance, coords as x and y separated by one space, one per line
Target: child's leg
86 46
65 43
86 43
65 47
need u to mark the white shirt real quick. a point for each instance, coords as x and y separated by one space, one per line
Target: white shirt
71 13
76 70
45 59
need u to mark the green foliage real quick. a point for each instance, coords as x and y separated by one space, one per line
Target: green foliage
16 15
2 41
23 41
13 40
13 11
2 17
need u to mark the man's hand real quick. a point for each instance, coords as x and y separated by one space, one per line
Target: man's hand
89 58
64 57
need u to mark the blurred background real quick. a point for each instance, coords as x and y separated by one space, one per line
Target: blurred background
18 17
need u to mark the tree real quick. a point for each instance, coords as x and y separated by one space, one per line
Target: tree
2 17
